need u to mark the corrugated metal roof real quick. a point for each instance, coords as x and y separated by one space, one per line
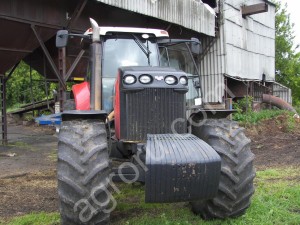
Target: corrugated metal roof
187 13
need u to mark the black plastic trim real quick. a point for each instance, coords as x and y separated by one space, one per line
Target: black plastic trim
84 114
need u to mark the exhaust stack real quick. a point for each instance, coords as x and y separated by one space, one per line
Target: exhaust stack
96 75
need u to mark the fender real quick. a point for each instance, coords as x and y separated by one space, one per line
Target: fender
82 95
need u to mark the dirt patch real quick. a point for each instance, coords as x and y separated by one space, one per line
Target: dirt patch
29 150
34 192
275 143
28 176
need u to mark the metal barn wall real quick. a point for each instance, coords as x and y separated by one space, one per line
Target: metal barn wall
187 13
212 70
282 92
250 42
244 48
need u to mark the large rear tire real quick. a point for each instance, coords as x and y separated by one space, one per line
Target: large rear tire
83 172
237 171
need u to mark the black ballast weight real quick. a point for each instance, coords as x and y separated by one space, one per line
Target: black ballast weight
181 167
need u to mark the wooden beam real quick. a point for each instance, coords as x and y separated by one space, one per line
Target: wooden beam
254 9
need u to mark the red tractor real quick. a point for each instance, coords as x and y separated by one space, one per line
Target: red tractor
143 104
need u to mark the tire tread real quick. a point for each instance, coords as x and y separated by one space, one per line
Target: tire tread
83 165
237 171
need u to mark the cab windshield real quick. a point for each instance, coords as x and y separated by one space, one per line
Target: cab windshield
124 50
178 56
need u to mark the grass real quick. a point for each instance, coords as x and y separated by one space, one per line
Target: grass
249 117
297 109
255 117
276 201
35 219
53 155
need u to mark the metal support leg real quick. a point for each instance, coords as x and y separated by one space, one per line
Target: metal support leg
46 83
31 89
62 73
3 80
75 63
3 110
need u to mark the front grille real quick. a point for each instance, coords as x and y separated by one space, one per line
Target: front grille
152 111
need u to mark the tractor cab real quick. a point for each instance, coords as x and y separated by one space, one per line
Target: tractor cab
147 47
128 46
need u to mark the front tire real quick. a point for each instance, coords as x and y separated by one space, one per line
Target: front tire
83 171
237 171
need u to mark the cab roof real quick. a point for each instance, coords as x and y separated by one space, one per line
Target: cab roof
105 30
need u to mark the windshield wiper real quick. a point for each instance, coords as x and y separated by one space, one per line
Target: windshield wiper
143 47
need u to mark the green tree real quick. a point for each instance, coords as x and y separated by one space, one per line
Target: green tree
287 60
18 86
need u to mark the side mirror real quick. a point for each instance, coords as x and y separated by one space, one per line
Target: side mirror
196 46
62 38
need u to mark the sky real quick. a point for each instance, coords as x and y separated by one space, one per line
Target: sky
293 7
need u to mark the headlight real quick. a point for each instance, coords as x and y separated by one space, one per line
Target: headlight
183 80
129 79
145 79
170 80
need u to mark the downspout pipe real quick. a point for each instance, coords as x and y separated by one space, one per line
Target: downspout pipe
278 102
